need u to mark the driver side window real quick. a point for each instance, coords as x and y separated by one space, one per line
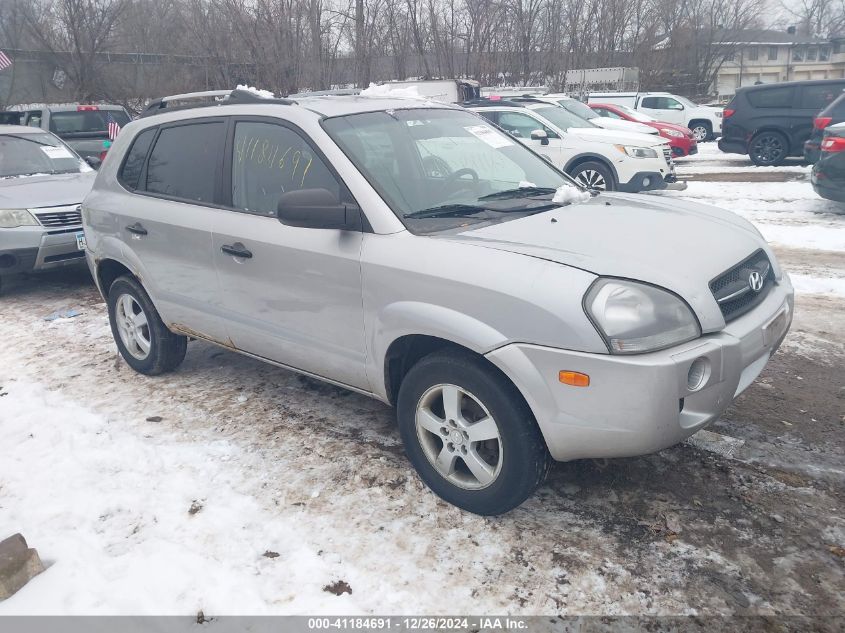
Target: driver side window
521 125
269 160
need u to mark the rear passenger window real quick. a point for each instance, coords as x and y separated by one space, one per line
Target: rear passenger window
818 97
184 161
134 163
269 160
771 97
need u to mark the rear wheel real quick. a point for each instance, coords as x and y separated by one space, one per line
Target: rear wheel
594 175
768 149
141 337
469 433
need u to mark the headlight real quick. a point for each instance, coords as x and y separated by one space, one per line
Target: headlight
637 152
635 317
13 218
673 133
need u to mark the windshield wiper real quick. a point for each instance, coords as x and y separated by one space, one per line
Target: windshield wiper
448 211
519 192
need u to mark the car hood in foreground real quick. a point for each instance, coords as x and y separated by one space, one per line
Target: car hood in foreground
671 243
45 190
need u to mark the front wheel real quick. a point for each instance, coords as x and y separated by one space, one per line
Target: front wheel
768 149
141 336
701 131
593 175
469 433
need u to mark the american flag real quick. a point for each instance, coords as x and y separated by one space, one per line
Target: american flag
114 126
5 62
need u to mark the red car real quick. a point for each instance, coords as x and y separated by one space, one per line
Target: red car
680 138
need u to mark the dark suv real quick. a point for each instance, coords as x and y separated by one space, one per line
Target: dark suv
771 122
831 115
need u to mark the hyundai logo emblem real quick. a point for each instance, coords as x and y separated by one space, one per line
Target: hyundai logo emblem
755 281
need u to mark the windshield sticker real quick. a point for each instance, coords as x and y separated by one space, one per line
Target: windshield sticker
56 152
489 135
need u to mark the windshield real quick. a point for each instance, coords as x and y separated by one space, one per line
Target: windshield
27 154
636 114
563 118
442 168
578 109
85 123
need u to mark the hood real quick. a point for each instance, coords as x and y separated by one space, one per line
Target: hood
615 137
671 243
673 126
45 190
623 126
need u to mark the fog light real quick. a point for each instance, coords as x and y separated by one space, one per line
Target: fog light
698 373
646 182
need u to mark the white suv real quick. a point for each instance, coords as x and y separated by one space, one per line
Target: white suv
596 158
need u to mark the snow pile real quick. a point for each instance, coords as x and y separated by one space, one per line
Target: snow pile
264 94
570 194
386 90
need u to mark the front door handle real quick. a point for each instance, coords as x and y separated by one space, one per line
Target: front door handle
137 229
236 250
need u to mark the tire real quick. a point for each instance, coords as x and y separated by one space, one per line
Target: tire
146 344
594 175
768 149
514 455
701 131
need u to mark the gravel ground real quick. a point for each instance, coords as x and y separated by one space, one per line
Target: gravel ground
747 518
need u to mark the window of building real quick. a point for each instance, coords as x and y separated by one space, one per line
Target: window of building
773 52
812 53
184 161
824 54
798 54
753 54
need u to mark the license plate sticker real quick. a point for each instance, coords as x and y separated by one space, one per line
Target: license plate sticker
80 240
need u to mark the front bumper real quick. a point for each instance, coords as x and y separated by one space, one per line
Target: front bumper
642 403
34 248
647 181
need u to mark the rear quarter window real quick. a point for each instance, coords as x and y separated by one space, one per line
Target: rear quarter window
772 97
130 172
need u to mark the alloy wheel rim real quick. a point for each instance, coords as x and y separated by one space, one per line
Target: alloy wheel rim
768 149
459 437
133 326
699 132
591 179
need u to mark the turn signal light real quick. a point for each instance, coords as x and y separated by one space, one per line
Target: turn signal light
574 378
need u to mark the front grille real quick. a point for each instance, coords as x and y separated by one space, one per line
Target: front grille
733 291
59 216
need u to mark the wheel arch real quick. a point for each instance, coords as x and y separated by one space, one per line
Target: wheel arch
107 271
580 159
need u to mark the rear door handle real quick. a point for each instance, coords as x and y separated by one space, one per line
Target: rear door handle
236 250
137 229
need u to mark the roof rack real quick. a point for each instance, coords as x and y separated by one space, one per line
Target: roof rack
514 102
209 98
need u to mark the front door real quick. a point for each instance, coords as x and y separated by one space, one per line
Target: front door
664 109
289 294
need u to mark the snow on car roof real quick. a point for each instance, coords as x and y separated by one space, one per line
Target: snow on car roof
336 105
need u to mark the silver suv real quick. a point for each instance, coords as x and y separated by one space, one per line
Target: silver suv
412 252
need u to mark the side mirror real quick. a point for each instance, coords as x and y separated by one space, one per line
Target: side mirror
540 135
317 209
94 161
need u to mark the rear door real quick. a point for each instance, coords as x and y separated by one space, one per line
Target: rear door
293 295
665 109
809 100
166 225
